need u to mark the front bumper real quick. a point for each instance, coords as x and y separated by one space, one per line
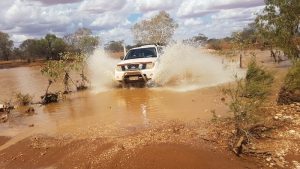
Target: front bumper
134 75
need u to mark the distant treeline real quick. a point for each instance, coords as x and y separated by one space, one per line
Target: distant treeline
49 47
276 29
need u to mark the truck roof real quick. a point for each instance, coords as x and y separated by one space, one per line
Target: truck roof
145 46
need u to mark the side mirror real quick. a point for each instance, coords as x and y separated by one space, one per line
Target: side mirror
121 57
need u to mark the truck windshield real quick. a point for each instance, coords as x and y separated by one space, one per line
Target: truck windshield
141 53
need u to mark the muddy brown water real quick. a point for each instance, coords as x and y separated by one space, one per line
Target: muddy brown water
115 109
114 113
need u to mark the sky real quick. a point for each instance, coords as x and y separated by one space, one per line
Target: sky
113 19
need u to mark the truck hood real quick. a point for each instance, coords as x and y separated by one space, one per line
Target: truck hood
136 61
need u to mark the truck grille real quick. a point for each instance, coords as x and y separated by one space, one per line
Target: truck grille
133 67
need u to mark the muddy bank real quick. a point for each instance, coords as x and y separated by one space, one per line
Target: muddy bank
3 140
42 152
177 156
174 145
19 63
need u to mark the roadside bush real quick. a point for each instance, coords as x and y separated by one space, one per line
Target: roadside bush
246 97
219 44
215 45
248 94
292 79
23 99
290 91
258 81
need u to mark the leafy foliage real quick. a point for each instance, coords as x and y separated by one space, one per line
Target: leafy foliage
32 48
50 47
53 69
60 70
258 81
292 79
158 30
114 46
278 26
54 45
249 94
5 46
82 41
290 91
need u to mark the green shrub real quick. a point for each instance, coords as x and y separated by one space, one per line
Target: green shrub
292 79
246 98
290 91
247 95
258 81
23 99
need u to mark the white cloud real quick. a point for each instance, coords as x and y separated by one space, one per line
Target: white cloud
117 33
18 39
237 14
192 22
192 8
100 6
153 5
55 2
109 19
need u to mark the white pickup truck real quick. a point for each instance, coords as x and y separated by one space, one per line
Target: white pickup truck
139 64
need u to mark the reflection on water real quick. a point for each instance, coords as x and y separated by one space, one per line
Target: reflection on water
108 113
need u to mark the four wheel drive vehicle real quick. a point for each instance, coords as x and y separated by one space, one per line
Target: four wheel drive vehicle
139 65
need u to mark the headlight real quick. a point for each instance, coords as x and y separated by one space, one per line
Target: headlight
150 65
119 68
140 66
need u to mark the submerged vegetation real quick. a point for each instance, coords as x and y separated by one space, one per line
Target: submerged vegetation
23 99
61 70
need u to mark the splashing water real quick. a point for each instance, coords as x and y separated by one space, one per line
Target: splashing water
181 68
101 67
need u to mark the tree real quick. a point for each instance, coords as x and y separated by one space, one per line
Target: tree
158 30
5 46
248 33
53 70
200 38
245 38
17 53
32 48
82 41
114 46
278 26
50 47
54 46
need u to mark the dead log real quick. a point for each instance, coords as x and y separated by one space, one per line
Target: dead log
238 147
